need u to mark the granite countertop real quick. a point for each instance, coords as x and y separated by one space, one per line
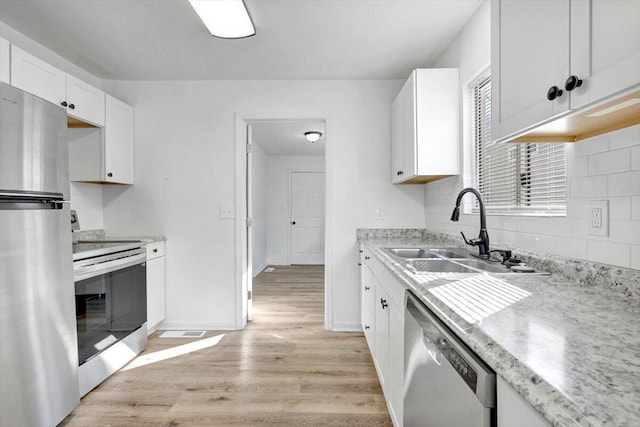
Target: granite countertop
99 235
571 350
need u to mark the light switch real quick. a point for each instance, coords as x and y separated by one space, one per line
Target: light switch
226 212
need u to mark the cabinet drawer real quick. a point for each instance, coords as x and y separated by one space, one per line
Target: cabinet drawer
155 250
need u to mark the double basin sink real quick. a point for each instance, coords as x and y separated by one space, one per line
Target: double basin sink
426 260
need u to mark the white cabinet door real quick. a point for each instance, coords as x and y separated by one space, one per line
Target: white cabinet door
85 102
513 410
529 55
382 336
35 76
409 166
396 363
605 48
397 138
118 142
5 61
425 143
155 292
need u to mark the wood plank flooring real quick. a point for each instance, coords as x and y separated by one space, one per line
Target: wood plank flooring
283 369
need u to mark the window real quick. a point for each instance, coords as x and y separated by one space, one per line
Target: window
515 178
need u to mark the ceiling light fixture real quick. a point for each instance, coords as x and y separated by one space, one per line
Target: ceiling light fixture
313 135
227 19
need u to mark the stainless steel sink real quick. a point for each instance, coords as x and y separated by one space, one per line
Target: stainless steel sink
438 266
448 253
485 266
415 253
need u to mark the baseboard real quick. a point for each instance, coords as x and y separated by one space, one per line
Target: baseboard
207 326
259 270
347 327
271 262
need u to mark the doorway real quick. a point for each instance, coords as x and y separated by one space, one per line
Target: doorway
282 173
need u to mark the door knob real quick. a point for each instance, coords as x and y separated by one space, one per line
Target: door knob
553 93
572 83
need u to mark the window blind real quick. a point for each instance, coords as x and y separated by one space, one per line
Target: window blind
525 178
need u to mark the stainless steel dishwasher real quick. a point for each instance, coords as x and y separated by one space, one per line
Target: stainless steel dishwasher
445 384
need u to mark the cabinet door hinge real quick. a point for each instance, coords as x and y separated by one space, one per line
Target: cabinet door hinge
249 221
248 148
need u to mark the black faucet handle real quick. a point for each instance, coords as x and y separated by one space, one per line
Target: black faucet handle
471 242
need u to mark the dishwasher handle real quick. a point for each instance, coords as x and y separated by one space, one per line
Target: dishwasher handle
445 347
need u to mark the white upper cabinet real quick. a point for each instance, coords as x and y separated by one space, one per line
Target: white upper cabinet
81 100
425 143
552 57
85 102
5 61
118 142
605 48
35 76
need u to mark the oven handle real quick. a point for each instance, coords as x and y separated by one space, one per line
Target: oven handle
93 270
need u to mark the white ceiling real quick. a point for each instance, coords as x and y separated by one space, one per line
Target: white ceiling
287 138
296 39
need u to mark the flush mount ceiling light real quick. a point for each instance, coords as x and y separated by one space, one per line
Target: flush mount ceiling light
227 19
313 135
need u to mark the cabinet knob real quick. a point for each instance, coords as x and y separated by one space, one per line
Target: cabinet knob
366 257
366 288
399 173
155 250
63 103
109 174
293 223
72 106
553 93
366 327
383 303
361 251
359 264
572 83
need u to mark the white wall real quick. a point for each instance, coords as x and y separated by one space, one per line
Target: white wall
606 167
185 170
278 203
259 194
86 199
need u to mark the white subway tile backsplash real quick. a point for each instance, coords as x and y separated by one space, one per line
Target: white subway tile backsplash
569 247
590 146
610 162
635 257
635 208
557 227
577 166
623 184
620 208
592 186
624 137
580 227
609 253
635 157
624 232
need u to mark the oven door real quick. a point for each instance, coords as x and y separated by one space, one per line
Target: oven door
110 305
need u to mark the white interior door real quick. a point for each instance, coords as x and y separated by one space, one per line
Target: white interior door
249 223
307 217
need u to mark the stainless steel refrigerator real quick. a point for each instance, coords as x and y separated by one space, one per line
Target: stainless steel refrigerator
38 345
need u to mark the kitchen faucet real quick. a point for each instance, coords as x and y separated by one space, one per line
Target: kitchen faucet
482 242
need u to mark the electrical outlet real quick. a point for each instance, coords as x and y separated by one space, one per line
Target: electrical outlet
599 217
226 212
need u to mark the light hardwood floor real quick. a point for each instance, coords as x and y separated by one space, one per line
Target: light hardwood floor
283 369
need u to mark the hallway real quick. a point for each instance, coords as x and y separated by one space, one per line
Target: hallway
282 369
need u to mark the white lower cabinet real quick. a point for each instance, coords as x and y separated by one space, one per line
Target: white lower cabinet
383 325
155 285
514 411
